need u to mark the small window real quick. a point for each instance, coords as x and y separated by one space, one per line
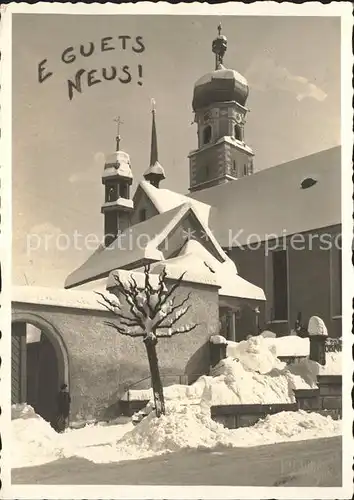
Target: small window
206 172
234 168
308 182
280 285
142 215
207 134
123 191
245 170
111 192
238 133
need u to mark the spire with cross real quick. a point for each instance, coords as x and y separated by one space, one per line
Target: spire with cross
118 137
219 48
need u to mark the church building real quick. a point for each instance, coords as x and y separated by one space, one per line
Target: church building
254 217
232 237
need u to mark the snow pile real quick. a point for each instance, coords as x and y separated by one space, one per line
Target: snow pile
218 339
317 327
253 375
34 441
22 410
191 427
281 346
333 364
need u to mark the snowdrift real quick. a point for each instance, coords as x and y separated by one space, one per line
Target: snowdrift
191 427
253 375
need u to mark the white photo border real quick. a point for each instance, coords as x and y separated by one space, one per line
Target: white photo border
340 9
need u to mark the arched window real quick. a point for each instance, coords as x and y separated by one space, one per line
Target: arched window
207 134
238 133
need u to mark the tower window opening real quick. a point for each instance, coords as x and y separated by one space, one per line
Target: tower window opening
123 191
238 132
207 134
111 192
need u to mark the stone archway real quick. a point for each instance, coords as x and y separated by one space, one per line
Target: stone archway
37 369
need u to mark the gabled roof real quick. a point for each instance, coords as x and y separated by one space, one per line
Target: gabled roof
165 199
272 202
201 267
139 244
126 249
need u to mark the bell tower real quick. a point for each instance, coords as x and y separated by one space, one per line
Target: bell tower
219 105
117 179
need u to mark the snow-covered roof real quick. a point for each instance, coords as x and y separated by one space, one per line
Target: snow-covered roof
201 267
127 249
247 206
221 74
77 299
165 199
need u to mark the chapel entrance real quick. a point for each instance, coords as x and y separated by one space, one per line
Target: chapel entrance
38 368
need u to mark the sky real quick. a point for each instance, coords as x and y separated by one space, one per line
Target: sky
59 144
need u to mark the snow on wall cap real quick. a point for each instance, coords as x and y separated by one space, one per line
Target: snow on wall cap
218 339
317 326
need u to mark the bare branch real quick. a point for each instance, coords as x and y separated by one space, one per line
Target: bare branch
161 290
176 331
149 289
123 331
173 309
172 290
129 294
108 302
179 314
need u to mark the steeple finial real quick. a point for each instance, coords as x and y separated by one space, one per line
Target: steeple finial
118 137
219 48
155 173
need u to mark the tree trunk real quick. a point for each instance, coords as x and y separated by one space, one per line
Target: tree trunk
155 376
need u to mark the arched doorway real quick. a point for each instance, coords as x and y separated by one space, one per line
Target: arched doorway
39 364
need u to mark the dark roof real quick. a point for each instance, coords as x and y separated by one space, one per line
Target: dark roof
124 251
272 201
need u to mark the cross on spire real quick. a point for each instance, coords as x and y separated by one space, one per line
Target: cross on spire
118 138
219 48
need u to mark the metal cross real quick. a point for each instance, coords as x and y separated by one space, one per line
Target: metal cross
219 29
119 123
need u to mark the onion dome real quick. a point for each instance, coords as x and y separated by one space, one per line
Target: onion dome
155 173
222 84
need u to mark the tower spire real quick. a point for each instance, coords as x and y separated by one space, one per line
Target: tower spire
155 173
219 47
153 150
118 137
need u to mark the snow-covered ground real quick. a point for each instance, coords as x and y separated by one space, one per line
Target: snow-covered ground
253 375
183 427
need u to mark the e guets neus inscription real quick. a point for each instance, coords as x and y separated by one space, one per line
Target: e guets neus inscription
85 78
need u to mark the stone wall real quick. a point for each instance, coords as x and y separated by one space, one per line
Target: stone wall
102 362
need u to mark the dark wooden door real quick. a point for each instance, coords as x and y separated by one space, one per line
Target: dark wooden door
18 368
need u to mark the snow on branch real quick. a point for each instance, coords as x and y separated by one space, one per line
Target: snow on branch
150 310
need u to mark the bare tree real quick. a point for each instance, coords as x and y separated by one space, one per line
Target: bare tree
153 313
